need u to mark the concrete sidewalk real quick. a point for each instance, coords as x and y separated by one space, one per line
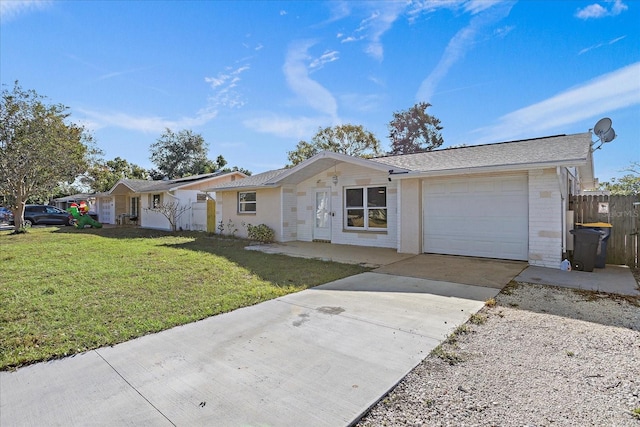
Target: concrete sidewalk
320 357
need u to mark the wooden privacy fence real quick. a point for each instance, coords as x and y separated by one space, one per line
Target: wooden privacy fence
624 216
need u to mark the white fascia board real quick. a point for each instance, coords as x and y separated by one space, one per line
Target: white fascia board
488 169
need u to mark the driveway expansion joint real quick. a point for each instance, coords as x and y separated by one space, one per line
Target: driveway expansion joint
132 387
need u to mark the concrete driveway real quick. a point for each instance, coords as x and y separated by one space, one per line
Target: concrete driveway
320 357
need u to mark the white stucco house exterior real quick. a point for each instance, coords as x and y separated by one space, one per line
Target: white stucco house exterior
505 200
129 200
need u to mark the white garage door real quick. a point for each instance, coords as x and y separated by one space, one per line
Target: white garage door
484 217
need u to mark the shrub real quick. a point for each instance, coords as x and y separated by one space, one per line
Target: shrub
262 233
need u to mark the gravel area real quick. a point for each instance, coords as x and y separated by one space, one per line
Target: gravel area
542 356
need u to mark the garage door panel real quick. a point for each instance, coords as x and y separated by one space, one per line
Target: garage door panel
486 217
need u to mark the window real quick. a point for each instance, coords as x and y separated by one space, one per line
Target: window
134 206
155 200
247 202
366 208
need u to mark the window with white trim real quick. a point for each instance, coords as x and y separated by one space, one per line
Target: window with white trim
366 208
247 202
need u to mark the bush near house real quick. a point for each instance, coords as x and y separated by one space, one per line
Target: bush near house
261 233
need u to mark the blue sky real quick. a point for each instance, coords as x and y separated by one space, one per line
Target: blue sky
254 78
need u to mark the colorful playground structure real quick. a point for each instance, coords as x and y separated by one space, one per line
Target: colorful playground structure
81 216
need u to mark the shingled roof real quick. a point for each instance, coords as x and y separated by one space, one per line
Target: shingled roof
147 186
560 150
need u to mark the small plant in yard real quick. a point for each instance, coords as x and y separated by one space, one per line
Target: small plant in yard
478 319
511 286
570 353
491 302
636 412
228 229
261 233
448 356
460 330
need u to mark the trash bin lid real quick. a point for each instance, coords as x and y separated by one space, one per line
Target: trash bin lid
595 224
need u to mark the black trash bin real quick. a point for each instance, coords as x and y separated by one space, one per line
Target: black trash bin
585 248
604 228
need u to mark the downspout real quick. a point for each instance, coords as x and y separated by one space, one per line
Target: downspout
563 201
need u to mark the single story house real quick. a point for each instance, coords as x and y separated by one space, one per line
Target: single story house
129 201
506 200
65 202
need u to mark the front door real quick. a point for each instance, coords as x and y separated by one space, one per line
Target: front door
322 218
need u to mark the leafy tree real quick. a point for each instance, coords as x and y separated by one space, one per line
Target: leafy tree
38 148
624 186
414 131
179 154
628 185
103 175
346 139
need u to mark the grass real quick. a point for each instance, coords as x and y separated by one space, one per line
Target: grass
65 291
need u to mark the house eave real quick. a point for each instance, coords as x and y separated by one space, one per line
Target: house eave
242 188
488 169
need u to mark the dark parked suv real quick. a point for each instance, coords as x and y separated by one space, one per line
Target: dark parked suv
45 214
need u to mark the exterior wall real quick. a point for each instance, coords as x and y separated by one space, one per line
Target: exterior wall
348 175
268 211
289 214
149 219
105 207
410 216
193 219
545 218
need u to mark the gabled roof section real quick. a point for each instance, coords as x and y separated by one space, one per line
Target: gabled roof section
302 171
265 179
147 186
560 150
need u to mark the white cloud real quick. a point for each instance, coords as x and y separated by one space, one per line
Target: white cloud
287 126
308 90
460 44
325 58
146 124
10 9
380 18
595 11
595 46
223 85
605 94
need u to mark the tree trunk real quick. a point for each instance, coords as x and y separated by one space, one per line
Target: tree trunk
18 212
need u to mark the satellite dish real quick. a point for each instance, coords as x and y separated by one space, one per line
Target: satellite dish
603 126
608 136
604 131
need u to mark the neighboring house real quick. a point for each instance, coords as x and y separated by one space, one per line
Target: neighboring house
130 199
64 202
507 200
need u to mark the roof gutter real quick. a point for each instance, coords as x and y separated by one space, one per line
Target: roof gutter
486 169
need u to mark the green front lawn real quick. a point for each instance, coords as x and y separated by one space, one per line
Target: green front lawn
64 291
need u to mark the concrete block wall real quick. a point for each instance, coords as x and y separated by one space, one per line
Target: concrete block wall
289 214
545 219
348 175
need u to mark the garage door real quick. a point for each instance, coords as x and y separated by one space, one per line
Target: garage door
484 217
